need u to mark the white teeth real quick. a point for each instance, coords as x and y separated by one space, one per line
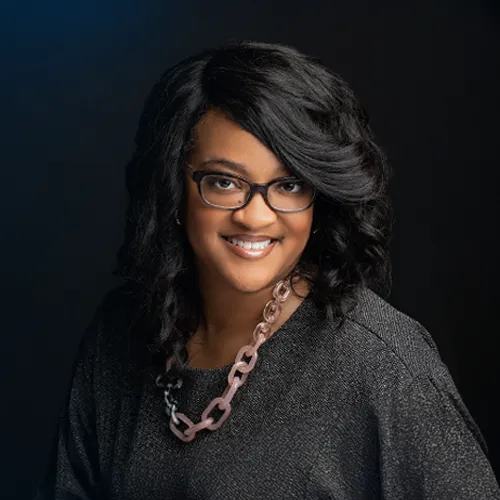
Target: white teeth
259 245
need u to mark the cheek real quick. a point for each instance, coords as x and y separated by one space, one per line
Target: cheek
202 223
299 228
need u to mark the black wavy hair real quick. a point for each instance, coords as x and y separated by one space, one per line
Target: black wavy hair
310 119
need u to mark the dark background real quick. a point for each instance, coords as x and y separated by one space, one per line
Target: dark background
74 76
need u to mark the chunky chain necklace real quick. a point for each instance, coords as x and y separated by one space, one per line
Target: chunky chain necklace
236 378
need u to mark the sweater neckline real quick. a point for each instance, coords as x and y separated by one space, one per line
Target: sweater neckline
277 338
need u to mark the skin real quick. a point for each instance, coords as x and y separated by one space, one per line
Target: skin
234 289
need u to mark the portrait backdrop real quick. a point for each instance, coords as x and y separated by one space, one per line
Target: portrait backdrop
73 81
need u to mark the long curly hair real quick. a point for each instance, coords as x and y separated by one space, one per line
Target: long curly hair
310 119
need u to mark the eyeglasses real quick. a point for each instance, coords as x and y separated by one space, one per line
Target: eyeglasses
232 192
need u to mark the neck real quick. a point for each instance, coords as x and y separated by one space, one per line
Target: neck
229 321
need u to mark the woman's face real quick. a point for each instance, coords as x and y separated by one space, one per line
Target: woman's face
219 261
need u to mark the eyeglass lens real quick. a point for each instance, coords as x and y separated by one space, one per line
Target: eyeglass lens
229 192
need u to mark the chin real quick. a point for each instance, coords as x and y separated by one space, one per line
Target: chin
252 280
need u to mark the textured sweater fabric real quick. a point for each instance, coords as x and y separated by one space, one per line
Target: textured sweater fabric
366 411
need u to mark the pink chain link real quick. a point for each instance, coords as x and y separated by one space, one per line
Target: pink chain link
271 312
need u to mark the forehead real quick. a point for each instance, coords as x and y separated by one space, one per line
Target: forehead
216 136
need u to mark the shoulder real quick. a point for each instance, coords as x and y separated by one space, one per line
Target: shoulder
378 351
380 327
382 381
389 363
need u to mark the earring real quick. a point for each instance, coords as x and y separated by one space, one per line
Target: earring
177 220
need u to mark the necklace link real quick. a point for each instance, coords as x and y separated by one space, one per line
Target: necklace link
236 378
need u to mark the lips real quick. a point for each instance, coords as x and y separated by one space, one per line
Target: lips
250 247
251 237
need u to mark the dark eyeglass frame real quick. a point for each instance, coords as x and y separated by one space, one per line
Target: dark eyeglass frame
198 176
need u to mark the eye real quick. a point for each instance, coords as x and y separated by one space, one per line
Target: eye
221 183
291 187
224 183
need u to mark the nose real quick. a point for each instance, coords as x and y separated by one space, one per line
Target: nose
256 214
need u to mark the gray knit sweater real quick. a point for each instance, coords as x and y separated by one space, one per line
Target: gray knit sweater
368 411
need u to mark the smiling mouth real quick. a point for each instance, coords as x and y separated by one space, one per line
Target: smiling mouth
250 245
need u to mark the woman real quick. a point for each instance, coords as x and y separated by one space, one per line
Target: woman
247 354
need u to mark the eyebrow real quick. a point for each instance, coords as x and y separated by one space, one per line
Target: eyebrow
234 166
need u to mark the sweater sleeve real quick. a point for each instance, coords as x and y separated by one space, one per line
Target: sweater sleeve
73 466
431 448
